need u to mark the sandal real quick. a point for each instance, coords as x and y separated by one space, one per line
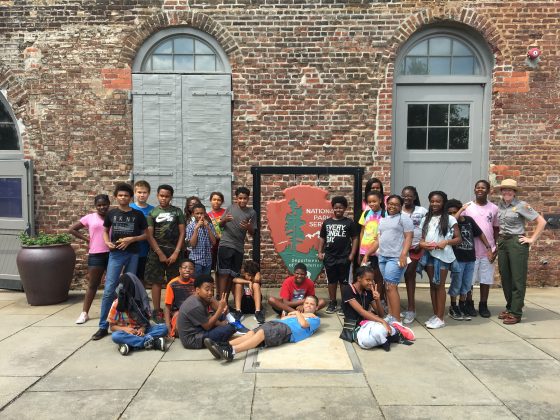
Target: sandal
511 319
504 314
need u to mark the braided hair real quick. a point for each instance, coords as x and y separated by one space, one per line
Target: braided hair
444 219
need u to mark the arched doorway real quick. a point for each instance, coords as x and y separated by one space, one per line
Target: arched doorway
441 112
181 87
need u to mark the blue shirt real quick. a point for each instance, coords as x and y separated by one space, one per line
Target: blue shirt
201 254
299 333
144 245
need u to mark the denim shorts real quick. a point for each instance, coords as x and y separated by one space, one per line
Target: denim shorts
98 260
461 281
430 262
390 270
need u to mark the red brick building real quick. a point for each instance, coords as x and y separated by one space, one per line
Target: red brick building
429 93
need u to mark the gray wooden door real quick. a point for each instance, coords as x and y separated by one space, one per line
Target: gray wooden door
182 133
16 215
439 142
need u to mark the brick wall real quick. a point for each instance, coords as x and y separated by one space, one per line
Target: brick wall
313 85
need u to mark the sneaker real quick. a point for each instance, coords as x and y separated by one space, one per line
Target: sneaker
213 347
483 310
239 327
124 349
430 319
389 319
149 343
99 334
159 344
339 311
259 317
331 309
436 323
405 332
238 315
83 318
408 317
455 313
157 316
470 308
226 352
463 309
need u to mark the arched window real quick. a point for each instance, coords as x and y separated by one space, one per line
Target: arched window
9 137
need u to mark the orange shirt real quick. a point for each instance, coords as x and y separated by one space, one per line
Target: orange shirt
178 291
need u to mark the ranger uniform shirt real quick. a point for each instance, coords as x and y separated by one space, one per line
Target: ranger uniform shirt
513 216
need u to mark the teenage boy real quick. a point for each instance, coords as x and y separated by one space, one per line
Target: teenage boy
293 327
295 289
142 191
177 291
461 280
123 227
338 243
201 316
237 221
201 237
247 293
485 214
166 234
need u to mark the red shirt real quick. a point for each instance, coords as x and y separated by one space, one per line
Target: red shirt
291 291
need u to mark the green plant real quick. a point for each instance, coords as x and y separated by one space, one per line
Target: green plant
43 239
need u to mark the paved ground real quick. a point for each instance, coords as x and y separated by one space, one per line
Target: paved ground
49 368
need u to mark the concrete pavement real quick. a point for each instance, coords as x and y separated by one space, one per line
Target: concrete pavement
476 369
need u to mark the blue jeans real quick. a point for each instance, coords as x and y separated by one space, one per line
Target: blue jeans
200 269
461 281
137 342
117 260
221 333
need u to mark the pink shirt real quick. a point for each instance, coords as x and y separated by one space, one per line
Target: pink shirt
486 217
94 224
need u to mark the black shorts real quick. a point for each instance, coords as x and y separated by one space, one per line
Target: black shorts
338 273
229 261
247 304
98 260
141 267
275 333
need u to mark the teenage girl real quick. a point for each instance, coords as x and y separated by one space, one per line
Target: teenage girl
98 256
215 215
370 222
374 184
416 212
191 201
439 233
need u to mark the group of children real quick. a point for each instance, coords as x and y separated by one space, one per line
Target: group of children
165 245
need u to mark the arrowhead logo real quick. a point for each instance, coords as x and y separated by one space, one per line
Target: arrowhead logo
295 223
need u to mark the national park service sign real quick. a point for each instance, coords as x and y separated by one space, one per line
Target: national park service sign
295 223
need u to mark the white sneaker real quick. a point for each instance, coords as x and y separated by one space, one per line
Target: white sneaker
83 318
429 321
408 317
436 323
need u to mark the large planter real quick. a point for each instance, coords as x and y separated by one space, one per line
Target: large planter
46 272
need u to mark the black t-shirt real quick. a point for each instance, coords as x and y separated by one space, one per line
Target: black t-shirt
124 224
338 235
364 299
465 252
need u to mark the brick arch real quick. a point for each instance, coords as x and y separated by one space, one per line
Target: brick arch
164 20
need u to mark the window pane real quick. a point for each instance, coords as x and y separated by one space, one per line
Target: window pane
462 65
417 115
439 65
8 137
4 114
438 114
459 114
205 63
440 46
147 66
183 46
437 138
416 138
10 198
416 65
420 49
165 48
183 63
461 49
459 138
162 62
201 48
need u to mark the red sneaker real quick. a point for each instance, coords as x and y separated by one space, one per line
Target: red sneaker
406 332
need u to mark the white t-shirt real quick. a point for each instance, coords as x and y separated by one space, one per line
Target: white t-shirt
433 235
417 214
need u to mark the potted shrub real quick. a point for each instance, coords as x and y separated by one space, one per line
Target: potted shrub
46 267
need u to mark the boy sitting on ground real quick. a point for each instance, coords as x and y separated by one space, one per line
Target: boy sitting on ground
293 327
177 291
129 318
293 292
201 316
247 292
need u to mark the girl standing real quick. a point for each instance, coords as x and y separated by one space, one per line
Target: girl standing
98 256
439 233
374 184
413 209
215 215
